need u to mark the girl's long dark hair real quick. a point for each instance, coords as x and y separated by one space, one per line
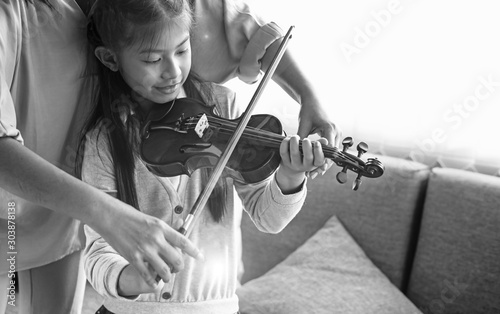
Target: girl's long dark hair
112 96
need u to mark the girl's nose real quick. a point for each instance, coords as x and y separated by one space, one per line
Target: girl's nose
170 70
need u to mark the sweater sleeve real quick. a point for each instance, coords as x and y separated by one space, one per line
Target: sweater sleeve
230 40
102 263
269 209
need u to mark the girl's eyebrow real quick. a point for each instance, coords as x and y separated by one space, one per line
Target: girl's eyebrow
160 50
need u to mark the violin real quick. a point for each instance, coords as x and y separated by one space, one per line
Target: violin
185 135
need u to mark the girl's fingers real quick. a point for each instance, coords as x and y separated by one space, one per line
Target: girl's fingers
284 150
295 154
161 267
319 157
158 282
307 154
146 272
321 163
328 162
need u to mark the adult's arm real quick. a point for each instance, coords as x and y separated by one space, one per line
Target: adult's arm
27 175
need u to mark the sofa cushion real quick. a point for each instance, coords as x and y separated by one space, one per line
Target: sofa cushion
457 262
327 274
380 217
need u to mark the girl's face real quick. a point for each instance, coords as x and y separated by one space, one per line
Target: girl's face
156 72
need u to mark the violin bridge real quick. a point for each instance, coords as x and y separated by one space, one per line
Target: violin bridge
202 128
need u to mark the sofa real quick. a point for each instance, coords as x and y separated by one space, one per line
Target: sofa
419 239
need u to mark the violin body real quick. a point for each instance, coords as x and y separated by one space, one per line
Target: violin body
171 146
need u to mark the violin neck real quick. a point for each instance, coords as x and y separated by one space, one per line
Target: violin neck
271 140
329 151
274 141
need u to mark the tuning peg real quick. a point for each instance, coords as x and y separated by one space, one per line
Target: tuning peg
357 182
342 175
347 142
362 148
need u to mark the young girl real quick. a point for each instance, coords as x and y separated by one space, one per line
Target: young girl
143 59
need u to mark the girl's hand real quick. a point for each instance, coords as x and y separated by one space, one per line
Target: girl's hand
131 283
296 163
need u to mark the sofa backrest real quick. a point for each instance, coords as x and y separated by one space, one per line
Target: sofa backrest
457 263
382 216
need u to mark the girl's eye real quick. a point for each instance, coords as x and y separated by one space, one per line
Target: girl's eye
181 52
152 61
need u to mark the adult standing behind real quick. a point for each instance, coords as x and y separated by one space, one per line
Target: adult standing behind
42 56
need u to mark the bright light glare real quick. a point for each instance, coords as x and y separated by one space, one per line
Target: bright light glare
215 267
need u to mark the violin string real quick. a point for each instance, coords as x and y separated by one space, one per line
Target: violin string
249 130
268 137
259 134
276 139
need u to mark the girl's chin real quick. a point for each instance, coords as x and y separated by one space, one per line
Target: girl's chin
166 98
154 98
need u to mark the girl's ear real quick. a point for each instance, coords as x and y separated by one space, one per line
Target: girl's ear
107 57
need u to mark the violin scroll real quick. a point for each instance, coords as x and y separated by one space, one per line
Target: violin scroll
372 168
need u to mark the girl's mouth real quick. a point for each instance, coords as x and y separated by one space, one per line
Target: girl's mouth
167 89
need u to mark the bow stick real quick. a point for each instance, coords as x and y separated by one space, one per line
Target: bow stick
198 206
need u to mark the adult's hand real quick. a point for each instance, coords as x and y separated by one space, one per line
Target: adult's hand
313 119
